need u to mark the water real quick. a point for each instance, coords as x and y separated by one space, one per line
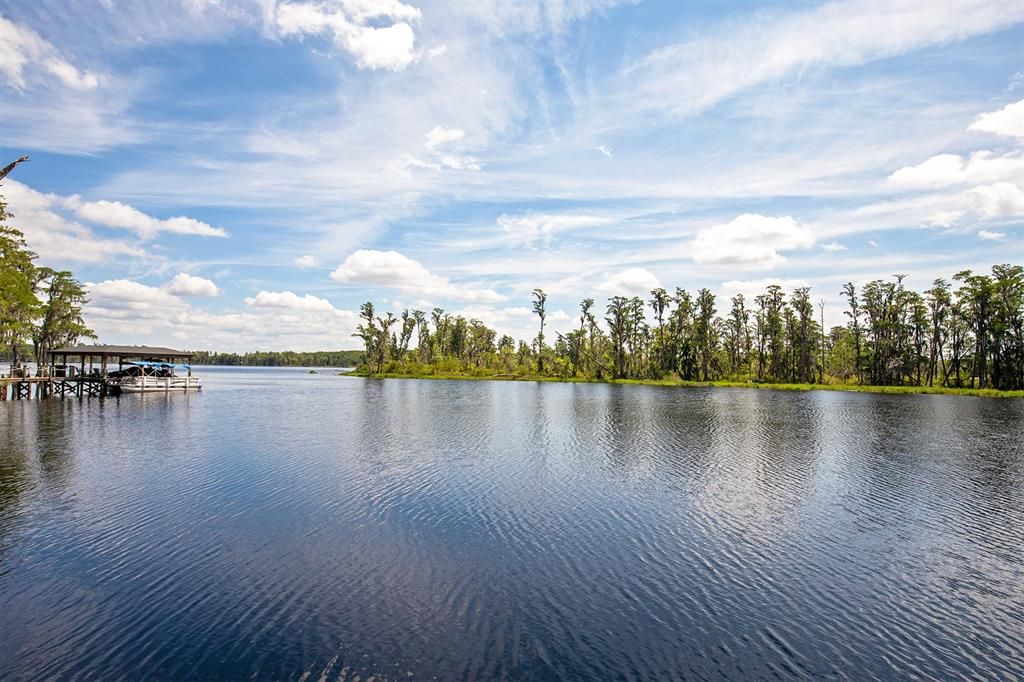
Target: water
281 523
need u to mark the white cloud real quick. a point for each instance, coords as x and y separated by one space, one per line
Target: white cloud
185 284
945 170
290 301
604 150
125 299
123 311
833 246
123 216
54 237
306 261
392 269
938 171
872 242
751 239
998 200
986 234
354 27
439 135
945 218
459 162
1008 121
533 228
22 48
557 316
630 282
70 76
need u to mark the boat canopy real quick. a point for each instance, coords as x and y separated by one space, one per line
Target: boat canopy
149 363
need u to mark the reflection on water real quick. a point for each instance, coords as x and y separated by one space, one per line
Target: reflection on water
280 523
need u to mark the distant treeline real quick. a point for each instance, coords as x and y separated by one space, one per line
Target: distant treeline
25 350
968 332
320 358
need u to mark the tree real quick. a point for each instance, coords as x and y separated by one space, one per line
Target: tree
976 297
1007 326
938 300
422 336
893 336
704 329
739 333
801 301
775 309
659 303
618 312
854 314
368 332
62 323
539 299
18 279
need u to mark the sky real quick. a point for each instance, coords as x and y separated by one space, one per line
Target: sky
239 175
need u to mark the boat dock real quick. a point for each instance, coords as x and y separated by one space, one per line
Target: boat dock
85 371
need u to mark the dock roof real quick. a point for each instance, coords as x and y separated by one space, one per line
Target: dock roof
123 351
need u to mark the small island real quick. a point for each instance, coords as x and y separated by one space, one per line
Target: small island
963 336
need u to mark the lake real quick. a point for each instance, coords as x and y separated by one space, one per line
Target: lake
280 523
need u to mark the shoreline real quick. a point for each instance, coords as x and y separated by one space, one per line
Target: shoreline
678 383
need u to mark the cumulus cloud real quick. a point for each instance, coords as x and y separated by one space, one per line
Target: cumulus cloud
630 282
185 284
945 170
290 301
23 49
998 200
394 270
53 236
750 239
122 216
125 299
306 261
1008 121
987 234
833 246
123 311
358 27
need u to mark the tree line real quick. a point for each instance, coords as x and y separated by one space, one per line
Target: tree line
323 358
966 331
40 308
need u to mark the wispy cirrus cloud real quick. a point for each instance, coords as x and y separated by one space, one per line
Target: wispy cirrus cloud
692 75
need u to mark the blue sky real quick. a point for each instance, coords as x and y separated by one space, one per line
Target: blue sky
242 175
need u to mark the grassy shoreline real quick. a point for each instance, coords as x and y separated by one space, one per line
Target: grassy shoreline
929 390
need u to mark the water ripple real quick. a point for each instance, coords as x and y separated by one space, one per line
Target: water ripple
287 526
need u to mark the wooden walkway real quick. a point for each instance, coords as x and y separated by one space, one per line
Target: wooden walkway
26 388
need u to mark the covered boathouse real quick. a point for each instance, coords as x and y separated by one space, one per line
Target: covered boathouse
109 354
82 370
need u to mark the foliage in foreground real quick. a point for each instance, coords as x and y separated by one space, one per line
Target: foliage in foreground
967 335
37 304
